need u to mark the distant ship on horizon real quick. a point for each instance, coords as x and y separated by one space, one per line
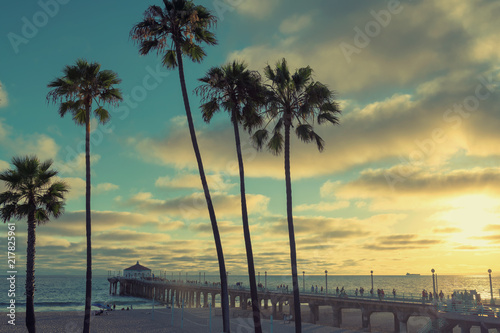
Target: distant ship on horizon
408 274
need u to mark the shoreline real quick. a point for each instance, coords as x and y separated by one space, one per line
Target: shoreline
198 320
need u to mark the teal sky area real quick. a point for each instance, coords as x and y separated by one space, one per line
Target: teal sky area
407 182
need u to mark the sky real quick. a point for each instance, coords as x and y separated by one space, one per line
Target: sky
408 180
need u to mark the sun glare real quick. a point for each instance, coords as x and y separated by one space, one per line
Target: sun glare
470 214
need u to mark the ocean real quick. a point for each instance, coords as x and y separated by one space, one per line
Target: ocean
67 293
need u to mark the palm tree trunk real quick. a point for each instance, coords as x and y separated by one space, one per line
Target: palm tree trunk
246 232
88 286
211 211
30 269
291 233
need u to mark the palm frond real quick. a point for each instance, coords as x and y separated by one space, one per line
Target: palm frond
209 109
304 132
328 116
170 59
275 144
102 115
259 138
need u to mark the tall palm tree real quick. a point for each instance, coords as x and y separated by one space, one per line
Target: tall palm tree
77 90
295 101
177 30
237 90
31 193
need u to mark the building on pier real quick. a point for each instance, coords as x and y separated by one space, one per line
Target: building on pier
137 271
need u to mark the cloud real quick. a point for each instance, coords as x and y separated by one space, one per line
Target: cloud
401 242
296 23
322 229
374 63
41 145
77 187
446 230
323 206
4 165
105 187
259 9
4 101
75 165
129 237
182 181
425 129
389 189
194 206
72 224
492 227
4 131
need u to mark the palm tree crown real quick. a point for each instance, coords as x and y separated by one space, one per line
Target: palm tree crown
30 186
237 90
181 25
296 98
81 85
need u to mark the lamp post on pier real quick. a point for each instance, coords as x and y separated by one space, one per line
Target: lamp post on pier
372 280
491 288
200 278
265 280
437 284
304 281
326 282
433 282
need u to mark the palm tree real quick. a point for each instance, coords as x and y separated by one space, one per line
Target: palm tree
239 91
31 193
82 85
295 99
177 30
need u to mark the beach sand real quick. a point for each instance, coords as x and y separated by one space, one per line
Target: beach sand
197 320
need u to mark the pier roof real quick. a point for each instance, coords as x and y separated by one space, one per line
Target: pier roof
137 267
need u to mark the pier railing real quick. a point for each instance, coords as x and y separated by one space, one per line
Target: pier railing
459 306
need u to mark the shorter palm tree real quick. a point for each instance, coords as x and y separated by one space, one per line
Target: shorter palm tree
32 194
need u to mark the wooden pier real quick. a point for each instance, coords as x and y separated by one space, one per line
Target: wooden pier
200 295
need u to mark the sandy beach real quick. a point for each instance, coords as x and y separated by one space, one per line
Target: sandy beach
194 320
197 320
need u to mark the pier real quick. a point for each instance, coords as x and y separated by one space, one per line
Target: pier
443 318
